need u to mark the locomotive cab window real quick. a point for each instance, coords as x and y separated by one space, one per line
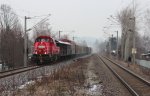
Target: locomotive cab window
43 40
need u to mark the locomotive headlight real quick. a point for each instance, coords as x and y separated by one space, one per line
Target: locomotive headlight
41 46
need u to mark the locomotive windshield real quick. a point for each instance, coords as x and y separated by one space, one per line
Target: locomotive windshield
43 40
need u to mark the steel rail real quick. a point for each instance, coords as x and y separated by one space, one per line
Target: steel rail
127 70
16 71
136 82
131 90
7 73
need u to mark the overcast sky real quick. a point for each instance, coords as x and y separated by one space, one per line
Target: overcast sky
86 17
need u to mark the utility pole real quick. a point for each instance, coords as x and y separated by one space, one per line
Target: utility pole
134 50
25 42
110 46
134 22
133 31
59 34
117 45
111 42
134 25
73 37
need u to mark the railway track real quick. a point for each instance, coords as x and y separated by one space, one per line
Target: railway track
134 83
7 73
16 71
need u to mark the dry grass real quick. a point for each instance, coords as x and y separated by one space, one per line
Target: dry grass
64 81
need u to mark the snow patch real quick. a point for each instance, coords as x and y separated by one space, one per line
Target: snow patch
26 84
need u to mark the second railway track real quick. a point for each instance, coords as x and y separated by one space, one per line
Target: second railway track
16 71
7 73
135 84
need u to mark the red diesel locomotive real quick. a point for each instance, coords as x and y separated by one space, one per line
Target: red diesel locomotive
46 49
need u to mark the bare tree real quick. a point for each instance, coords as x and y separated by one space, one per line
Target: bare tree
147 21
146 37
11 41
127 20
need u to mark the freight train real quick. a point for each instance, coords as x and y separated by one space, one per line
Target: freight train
46 49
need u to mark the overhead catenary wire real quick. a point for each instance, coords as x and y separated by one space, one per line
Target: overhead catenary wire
42 21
